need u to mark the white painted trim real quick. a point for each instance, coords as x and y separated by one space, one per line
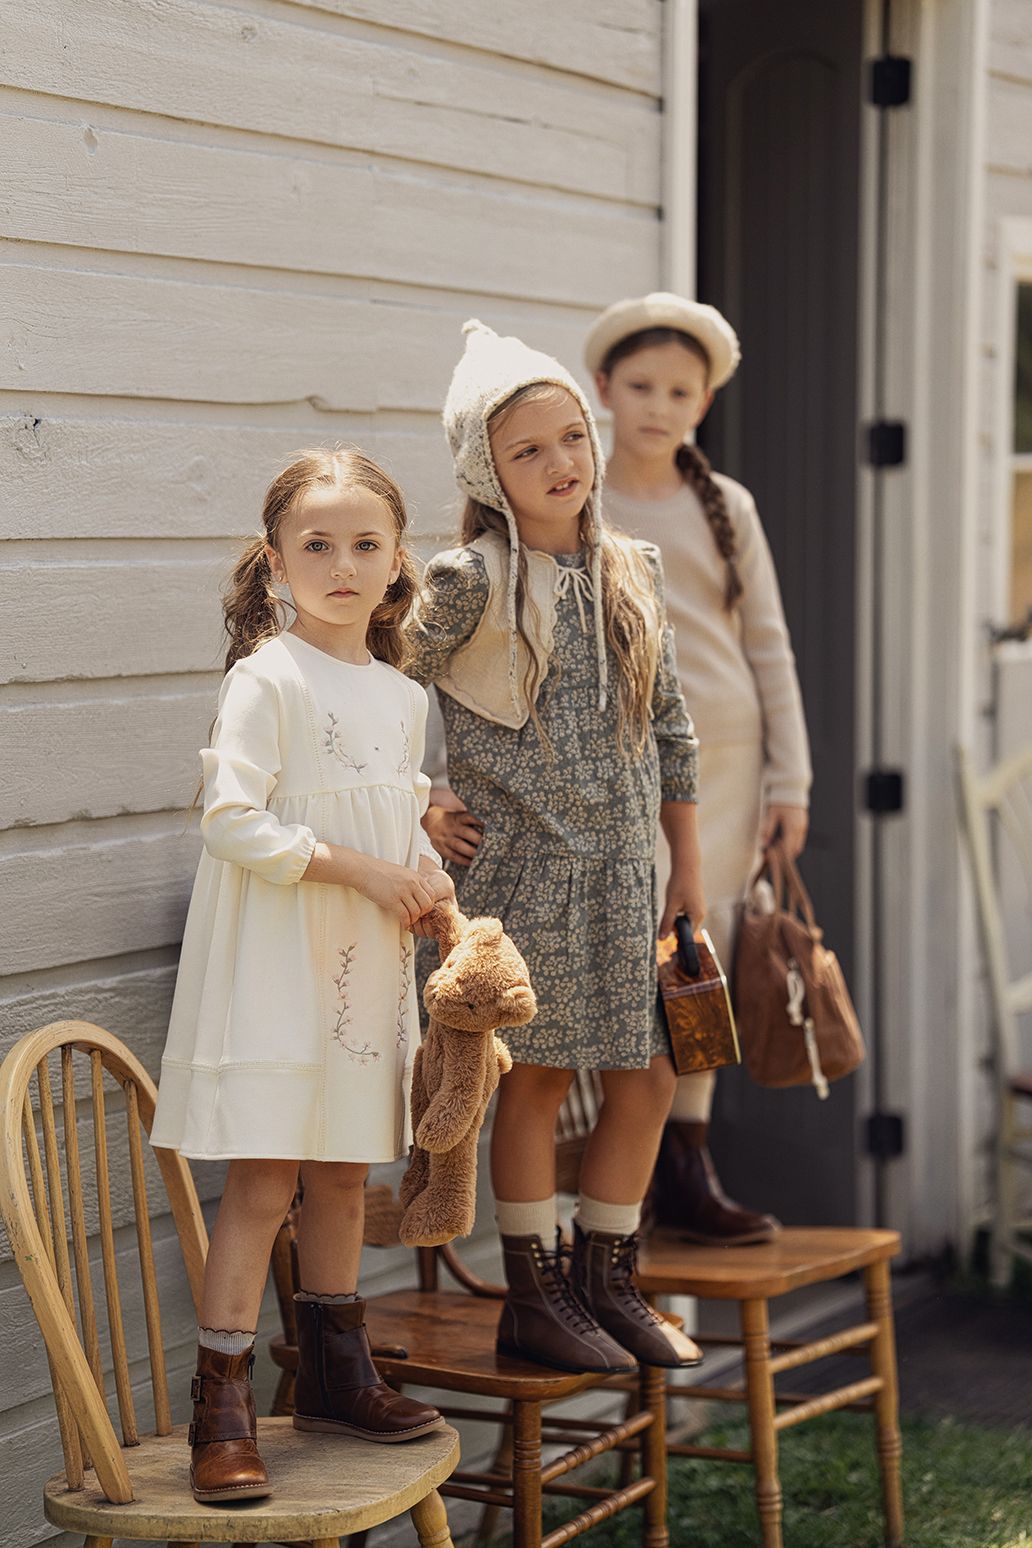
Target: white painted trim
680 145
930 639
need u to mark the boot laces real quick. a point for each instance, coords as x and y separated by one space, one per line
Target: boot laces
554 1268
624 1264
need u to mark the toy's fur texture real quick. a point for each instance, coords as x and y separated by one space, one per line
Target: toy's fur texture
482 984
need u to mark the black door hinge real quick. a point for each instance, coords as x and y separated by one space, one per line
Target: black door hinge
883 791
885 443
884 1135
890 81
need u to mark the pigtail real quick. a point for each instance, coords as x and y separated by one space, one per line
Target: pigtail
696 471
250 606
385 637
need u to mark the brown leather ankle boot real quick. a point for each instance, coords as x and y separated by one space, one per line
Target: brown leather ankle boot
224 1460
686 1195
542 1318
603 1276
338 1389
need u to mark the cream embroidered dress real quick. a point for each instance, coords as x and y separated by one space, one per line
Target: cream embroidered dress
295 1023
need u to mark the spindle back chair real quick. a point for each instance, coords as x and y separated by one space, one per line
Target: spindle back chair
51 1212
996 820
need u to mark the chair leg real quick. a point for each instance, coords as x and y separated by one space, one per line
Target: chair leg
501 1462
526 1474
430 1520
283 1402
878 1289
655 1533
1001 1264
325 1542
760 1392
97 1542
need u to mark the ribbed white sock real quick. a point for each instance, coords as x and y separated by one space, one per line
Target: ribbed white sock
613 1219
223 1341
693 1097
327 1300
536 1218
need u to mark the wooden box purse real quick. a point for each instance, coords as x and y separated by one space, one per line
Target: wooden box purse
695 1000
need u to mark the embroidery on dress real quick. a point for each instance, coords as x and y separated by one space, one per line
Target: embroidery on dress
403 993
406 750
335 745
360 1053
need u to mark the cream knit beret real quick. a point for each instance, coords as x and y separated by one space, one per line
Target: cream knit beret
661 309
491 370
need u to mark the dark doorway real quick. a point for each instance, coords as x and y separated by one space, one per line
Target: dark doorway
779 195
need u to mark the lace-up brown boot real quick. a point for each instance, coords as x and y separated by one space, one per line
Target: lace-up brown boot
338 1389
543 1320
603 1277
686 1195
224 1460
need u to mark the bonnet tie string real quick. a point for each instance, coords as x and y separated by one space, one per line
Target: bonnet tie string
573 578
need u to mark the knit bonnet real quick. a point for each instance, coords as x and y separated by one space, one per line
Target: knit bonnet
491 370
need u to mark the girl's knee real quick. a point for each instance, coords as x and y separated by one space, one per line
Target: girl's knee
536 1085
334 1176
261 1188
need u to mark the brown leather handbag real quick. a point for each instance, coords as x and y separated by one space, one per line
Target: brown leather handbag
695 1000
798 1024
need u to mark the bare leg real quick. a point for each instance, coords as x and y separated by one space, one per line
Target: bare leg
621 1152
254 1204
523 1137
329 1232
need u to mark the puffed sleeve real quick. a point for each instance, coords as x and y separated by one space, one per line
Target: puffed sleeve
455 594
420 781
672 726
768 650
240 769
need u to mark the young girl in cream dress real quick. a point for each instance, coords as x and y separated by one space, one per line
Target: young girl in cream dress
294 1024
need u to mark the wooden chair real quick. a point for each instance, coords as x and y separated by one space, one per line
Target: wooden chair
753 1276
445 1339
138 1487
996 812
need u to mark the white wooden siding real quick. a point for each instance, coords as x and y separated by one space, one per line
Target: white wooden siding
230 230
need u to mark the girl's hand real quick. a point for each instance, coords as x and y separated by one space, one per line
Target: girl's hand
793 821
684 895
453 830
396 889
439 884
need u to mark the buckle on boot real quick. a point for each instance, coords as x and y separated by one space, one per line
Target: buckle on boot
196 1388
191 1435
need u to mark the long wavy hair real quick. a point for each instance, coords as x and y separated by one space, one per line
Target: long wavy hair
252 610
630 612
693 463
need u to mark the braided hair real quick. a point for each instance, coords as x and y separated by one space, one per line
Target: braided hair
692 462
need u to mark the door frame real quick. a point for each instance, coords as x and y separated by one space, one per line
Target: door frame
928 620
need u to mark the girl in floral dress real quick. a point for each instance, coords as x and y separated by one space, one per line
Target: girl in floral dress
569 740
294 1023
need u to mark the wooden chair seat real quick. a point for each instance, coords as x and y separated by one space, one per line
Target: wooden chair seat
325 1486
795 1258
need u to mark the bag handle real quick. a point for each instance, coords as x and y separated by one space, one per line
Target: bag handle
786 878
687 951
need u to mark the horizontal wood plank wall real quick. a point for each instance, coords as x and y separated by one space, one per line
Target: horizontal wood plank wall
230 230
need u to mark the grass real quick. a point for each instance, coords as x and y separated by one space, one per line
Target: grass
963 1487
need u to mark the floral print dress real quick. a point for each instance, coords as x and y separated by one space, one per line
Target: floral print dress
295 1023
568 850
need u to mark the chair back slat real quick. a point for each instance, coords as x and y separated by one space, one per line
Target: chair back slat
80 1237
71 1445
148 1278
37 1227
116 1326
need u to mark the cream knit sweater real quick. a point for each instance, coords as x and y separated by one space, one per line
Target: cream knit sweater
737 669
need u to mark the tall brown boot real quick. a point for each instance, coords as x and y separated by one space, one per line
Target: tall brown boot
338 1389
603 1275
686 1195
224 1460
542 1318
